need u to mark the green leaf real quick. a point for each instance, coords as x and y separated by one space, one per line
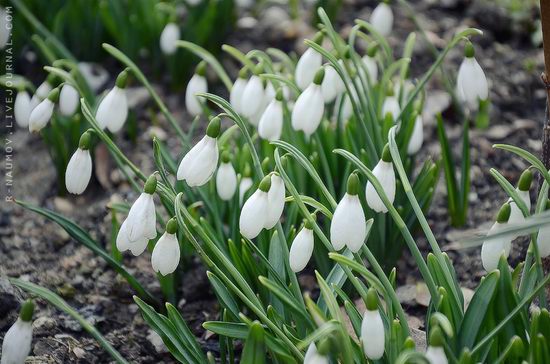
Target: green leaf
223 294
254 348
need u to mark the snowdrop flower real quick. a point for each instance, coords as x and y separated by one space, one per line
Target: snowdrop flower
237 91
17 341
140 224
310 106
314 357
543 238
332 85
391 105
69 99
197 84
226 178
382 19
524 184
199 164
348 225
42 91
276 201
270 125
41 114
245 184
5 27
168 38
302 248
417 136
383 171
372 328
370 64
113 109
471 83
79 168
166 254
435 352
255 210
22 108
308 64
493 248
253 94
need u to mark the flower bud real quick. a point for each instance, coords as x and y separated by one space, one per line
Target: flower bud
417 136
309 108
253 97
382 19
435 352
168 38
166 254
197 85
79 168
307 66
372 328
270 125
42 91
332 85
385 174
237 91
18 338
112 111
493 248
301 249
471 83
254 211
41 114
226 178
69 99
276 201
22 109
524 184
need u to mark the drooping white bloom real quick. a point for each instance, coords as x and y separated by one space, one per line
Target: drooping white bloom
372 68
543 241
391 105
197 84
22 108
348 225
524 184
436 355
301 249
307 66
372 334
332 85
313 357
385 174
226 179
255 211
18 338
166 254
168 38
41 114
253 97
41 93
244 186
113 110
382 19
417 136
471 83
237 91
309 107
69 99
493 248
5 27
79 171
276 201
270 125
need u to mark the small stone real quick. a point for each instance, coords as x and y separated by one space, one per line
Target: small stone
63 205
44 323
156 341
79 352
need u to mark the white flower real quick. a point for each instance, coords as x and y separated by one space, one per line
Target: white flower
436 355
382 19
113 109
41 93
226 178
383 171
199 164
18 339
79 171
307 66
166 254
5 27
417 136
237 91
332 85
524 184
270 125
301 249
197 84
372 68
313 357
391 105
471 83
255 210
348 225
347 108
22 109
253 97
69 99
140 224
276 201
310 106
493 248
41 114
372 328
244 186
168 38
543 241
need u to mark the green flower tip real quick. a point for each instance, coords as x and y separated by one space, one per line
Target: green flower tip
504 213
318 79
53 96
51 79
214 126
353 184
85 140
469 50
372 50
247 172
150 185
122 79
226 157
324 346
389 90
243 73
409 343
259 69
265 164
436 337
265 184
308 224
386 155
517 346
279 95
347 53
525 180
27 309
318 38
201 69
284 161
372 300
172 226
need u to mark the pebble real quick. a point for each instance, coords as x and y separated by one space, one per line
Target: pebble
157 342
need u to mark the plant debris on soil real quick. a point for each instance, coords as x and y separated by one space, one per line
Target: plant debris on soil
38 250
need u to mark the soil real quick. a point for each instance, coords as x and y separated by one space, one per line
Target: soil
37 250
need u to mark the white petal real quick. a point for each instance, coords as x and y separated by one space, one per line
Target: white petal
372 335
69 99
493 248
123 243
301 250
41 93
78 172
199 164
382 19
516 216
244 186
113 110
270 125
417 136
348 226
386 176
22 109
372 68
41 115
168 38
197 84
543 241
308 110
307 66
17 343
141 220
276 201
166 254
236 94
226 181
313 357
436 355
471 83
253 214
391 105
253 97
332 85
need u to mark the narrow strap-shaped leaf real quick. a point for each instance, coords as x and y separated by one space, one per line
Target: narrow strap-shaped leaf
254 347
